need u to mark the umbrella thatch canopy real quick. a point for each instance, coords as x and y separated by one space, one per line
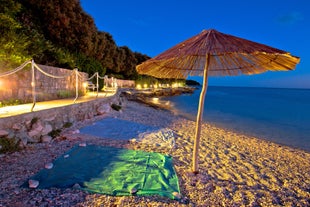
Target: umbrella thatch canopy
216 54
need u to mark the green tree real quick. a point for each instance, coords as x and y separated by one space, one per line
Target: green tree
13 43
89 65
59 33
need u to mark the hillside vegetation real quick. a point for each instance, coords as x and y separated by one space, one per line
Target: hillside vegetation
59 33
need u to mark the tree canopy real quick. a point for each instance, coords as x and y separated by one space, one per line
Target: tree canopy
60 33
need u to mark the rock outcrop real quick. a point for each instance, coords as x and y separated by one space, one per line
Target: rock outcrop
44 125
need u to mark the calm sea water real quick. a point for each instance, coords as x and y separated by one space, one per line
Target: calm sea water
277 115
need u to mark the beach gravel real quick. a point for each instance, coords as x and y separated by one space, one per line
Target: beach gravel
234 169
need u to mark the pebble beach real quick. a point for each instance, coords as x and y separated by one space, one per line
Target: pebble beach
234 169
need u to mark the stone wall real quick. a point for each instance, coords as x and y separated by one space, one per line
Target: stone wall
18 85
37 126
114 82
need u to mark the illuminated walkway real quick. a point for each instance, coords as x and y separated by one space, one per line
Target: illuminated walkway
8 111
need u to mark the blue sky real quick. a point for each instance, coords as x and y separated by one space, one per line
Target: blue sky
151 27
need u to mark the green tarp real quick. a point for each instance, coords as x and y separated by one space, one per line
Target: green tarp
112 171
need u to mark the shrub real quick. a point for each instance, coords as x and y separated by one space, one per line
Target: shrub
116 107
34 120
10 102
8 145
65 94
55 133
67 125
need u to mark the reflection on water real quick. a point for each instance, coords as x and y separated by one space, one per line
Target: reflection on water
278 115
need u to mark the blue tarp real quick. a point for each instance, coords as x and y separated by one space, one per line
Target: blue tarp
116 129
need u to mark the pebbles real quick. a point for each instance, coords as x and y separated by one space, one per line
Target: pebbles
82 144
33 183
76 186
133 191
48 165
177 195
234 170
133 140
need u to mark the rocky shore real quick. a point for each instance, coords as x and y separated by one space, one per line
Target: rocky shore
147 96
235 170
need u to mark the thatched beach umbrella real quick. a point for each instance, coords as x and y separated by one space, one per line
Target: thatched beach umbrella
216 54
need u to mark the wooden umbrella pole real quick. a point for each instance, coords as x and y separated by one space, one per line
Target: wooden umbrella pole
199 117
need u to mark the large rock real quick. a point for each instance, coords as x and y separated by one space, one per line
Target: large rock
17 126
36 131
3 133
50 118
24 138
47 129
34 134
103 109
37 126
11 135
46 139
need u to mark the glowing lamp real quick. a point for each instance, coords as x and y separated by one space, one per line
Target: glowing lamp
138 86
155 100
